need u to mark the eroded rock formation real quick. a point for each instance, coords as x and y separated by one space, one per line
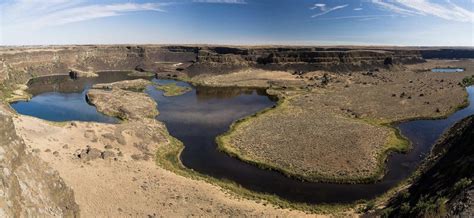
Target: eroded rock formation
29 186
28 62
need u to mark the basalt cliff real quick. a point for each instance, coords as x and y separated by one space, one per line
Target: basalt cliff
37 61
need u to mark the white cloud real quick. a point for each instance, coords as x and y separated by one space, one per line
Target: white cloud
447 11
27 14
221 1
393 7
319 5
361 17
358 9
324 9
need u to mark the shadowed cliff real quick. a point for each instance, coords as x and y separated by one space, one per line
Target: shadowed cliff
444 187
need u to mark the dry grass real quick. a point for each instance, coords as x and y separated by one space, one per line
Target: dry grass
172 89
246 78
342 133
125 105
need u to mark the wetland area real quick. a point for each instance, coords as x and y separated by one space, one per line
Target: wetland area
197 117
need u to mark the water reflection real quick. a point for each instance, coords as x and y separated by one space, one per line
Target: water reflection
197 117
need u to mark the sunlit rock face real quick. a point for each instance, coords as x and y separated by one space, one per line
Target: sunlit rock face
29 187
38 61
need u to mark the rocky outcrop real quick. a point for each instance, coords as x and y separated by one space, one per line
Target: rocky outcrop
445 185
29 187
37 61
448 53
132 85
126 105
223 59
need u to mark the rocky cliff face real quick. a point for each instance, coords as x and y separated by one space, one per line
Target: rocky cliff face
194 60
29 187
445 186
300 58
448 53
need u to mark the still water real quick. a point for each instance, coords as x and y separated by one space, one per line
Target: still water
199 116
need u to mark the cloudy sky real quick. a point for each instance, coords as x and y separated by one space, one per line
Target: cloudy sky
302 22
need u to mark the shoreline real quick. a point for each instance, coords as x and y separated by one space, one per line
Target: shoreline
168 156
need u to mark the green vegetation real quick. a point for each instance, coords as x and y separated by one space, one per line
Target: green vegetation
462 184
172 89
5 93
468 81
140 74
424 207
168 158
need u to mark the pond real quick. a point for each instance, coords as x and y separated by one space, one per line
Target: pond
447 70
60 98
199 116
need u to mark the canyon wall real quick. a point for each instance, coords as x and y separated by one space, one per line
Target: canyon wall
448 53
29 187
445 185
38 61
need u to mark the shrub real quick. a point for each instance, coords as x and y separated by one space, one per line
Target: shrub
462 184
468 81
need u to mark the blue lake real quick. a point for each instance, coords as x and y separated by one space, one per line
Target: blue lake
447 70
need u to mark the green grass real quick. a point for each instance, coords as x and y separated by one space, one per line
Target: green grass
172 89
140 74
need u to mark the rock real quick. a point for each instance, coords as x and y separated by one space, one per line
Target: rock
325 80
108 147
29 187
73 74
94 153
136 156
56 153
107 154
131 85
89 154
65 146
125 105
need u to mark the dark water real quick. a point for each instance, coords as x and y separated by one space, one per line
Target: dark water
447 70
197 117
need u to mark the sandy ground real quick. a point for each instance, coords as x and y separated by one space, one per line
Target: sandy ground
125 186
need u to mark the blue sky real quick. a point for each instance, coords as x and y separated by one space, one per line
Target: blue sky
296 22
